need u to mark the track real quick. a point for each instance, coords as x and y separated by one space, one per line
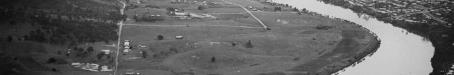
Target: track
121 23
250 13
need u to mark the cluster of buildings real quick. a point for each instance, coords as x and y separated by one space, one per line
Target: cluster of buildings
91 67
181 14
409 9
451 71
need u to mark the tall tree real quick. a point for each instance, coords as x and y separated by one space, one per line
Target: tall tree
248 44
144 54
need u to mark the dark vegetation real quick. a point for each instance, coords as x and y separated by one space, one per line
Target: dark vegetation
277 8
213 59
200 7
322 27
441 36
28 25
63 32
53 60
58 22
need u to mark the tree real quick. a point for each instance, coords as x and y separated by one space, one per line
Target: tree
160 37
277 9
213 59
12 22
90 49
144 54
296 9
304 10
79 52
200 7
54 70
248 44
100 55
51 60
233 44
10 39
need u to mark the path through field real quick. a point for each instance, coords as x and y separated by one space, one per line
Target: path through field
122 10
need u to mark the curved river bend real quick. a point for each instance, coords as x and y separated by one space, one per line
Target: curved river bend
400 52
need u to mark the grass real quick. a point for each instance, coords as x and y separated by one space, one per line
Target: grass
295 43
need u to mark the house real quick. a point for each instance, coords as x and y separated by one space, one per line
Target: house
106 51
126 43
181 14
86 66
177 12
126 50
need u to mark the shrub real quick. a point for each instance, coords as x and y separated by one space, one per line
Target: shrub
160 37
321 27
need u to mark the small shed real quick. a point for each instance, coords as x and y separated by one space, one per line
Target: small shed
179 37
105 68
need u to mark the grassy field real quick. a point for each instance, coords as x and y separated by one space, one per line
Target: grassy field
295 45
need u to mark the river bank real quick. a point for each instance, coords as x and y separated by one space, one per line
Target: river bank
312 67
439 35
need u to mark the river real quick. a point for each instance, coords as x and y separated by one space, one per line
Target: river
400 52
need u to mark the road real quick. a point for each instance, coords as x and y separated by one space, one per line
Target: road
121 23
250 13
